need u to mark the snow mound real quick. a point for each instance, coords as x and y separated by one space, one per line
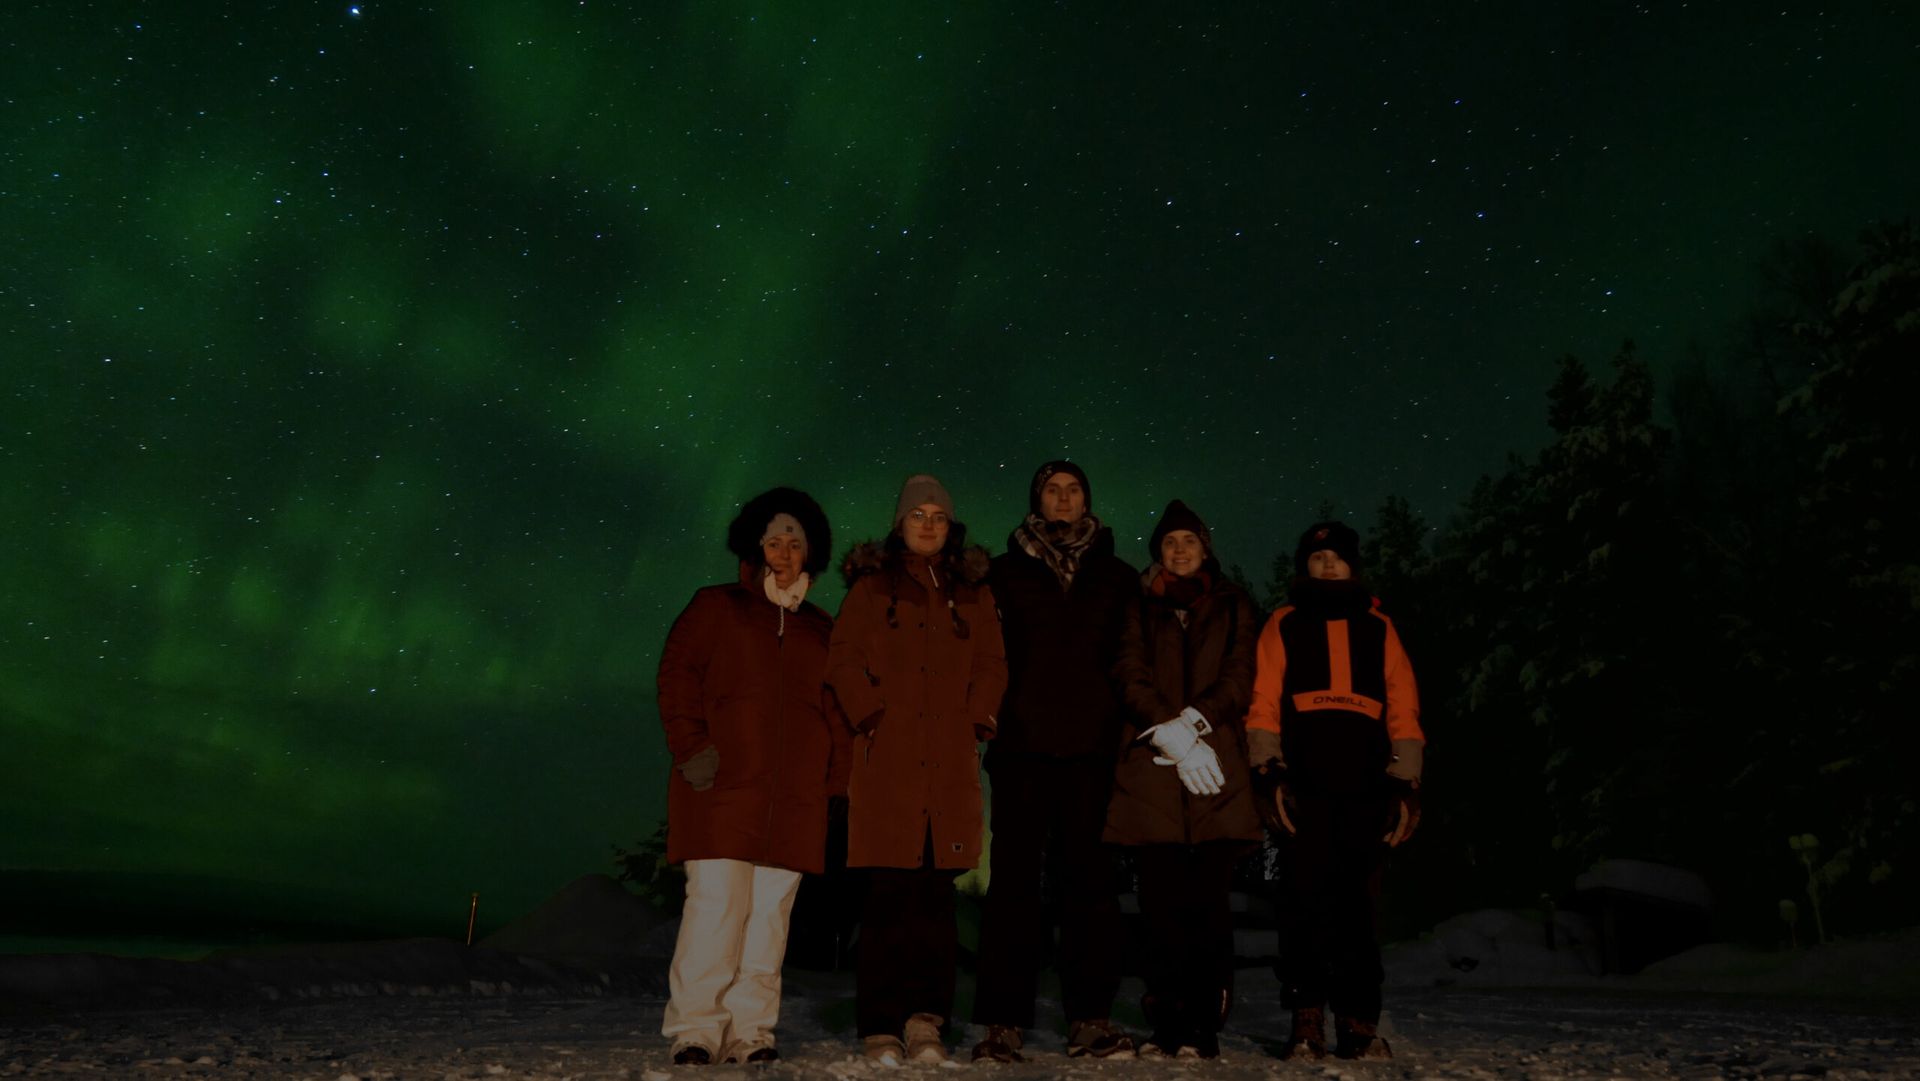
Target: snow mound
1499 948
1883 968
592 916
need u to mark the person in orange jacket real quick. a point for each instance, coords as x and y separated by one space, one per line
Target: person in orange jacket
1334 736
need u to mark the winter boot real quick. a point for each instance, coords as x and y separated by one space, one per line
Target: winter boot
692 1054
923 1038
1200 1045
1360 1039
884 1050
1308 1040
1164 1015
1098 1039
1002 1044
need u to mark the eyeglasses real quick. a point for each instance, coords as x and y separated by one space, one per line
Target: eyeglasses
920 517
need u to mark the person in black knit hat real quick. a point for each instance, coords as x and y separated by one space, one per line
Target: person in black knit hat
1335 740
1182 801
1061 592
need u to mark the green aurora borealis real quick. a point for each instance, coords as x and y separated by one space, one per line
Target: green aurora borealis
380 380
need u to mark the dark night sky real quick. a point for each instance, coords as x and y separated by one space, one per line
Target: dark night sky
380 379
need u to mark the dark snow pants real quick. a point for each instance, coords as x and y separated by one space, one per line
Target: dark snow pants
1184 899
909 944
1045 806
1329 886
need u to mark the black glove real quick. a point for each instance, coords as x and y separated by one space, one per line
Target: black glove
1403 811
1273 797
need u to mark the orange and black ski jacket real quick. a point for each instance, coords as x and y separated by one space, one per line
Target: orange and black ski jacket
1332 680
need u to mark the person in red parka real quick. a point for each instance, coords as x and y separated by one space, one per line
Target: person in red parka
918 667
758 749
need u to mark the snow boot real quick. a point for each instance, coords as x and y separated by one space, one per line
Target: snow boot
1200 1045
1002 1044
884 1050
923 1038
692 1055
1308 1040
1360 1039
1098 1039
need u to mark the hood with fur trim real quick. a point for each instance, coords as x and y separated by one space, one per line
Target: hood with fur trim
969 564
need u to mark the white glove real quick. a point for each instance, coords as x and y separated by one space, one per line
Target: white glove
1180 746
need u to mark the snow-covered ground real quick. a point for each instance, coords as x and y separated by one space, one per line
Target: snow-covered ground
576 989
368 1028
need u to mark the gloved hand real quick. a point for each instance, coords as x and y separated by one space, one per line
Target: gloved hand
1273 797
1180 746
701 768
1403 812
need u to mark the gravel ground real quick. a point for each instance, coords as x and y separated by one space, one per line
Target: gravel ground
1437 1033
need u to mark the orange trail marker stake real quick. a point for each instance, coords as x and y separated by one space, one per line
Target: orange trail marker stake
473 910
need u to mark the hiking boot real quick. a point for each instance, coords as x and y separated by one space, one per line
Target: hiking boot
923 1038
1098 1039
692 1055
1308 1040
885 1050
1360 1039
1002 1044
1200 1045
1163 1042
760 1056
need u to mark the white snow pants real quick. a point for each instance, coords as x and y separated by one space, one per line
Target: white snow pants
724 984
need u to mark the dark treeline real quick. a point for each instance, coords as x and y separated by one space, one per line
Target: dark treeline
1693 643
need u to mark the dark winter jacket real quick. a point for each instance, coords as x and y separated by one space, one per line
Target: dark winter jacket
744 676
1060 650
1332 679
1165 666
921 682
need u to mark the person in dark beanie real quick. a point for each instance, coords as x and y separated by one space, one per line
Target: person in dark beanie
1062 592
1182 794
758 749
1334 736
918 667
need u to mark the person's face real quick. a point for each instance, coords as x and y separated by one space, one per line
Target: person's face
1181 552
1327 564
1062 499
785 555
925 529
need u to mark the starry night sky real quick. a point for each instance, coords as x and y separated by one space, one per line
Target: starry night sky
380 379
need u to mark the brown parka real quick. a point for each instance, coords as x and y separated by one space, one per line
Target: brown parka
920 679
1163 667
744 676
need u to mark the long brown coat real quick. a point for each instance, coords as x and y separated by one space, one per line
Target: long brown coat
920 693
741 675
1164 667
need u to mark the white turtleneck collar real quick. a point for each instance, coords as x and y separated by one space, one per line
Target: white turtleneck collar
790 597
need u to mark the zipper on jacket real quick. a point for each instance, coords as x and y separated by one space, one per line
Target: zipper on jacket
779 718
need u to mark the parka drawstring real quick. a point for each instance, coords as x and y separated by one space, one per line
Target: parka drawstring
960 628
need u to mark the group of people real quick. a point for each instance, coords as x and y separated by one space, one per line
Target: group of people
1162 711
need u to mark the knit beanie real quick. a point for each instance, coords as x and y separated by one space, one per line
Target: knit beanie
1045 473
921 488
1178 516
1322 536
755 520
784 524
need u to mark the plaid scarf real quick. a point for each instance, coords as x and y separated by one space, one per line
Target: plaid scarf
1057 544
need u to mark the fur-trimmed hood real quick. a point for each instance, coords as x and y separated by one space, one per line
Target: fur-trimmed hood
743 535
969 564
